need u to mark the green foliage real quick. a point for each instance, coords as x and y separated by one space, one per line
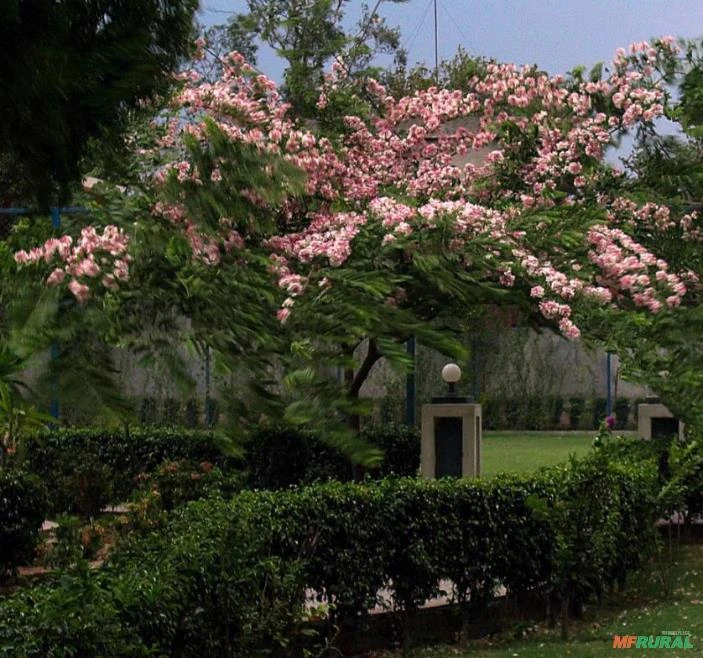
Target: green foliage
67 551
229 578
622 413
544 412
16 417
455 73
602 515
278 457
400 445
176 483
310 36
75 73
598 408
84 470
684 489
662 350
576 408
77 617
23 507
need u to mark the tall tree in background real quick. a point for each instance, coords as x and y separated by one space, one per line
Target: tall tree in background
310 35
72 75
386 224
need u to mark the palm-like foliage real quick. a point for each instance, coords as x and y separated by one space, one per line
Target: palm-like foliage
16 416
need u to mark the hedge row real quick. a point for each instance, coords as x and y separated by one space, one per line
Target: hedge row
554 412
229 578
87 469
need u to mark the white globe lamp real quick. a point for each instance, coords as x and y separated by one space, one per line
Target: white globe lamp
451 374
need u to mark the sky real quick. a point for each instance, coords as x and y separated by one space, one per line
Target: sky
554 34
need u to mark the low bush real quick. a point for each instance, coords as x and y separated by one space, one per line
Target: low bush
179 482
23 507
576 408
278 458
86 469
400 444
229 578
622 414
599 408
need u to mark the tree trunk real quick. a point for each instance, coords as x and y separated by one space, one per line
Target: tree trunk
565 617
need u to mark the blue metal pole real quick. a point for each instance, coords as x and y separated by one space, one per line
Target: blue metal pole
608 384
410 393
56 217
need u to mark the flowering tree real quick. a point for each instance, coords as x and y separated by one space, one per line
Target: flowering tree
662 350
372 232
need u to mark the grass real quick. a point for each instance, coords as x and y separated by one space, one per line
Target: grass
667 596
522 452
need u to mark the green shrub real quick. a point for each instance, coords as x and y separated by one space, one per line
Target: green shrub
281 457
683 491
228 578
278 458
576 408
148 411
85 469
599 407
23 507
556 409
622 413
536 413
79 615
179 482
192 413
400 444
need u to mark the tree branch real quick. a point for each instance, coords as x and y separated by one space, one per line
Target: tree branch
372 355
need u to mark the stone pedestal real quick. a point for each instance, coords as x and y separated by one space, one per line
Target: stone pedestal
451 440
654 419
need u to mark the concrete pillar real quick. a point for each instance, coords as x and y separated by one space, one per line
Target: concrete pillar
653 418
451 439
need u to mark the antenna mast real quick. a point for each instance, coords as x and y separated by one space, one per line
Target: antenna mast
436 48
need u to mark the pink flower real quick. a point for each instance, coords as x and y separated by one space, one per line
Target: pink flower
569 329
56 277
80 291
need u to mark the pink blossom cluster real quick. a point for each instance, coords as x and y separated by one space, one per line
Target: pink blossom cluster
405 172
329 237
627 268
464 173
94 255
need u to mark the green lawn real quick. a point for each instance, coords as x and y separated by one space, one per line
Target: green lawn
643 609
521 452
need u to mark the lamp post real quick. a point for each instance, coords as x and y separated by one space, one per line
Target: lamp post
451 432
451 374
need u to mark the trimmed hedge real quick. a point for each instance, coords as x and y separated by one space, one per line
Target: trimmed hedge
228 578
279 458
23 507
86 469
554 412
